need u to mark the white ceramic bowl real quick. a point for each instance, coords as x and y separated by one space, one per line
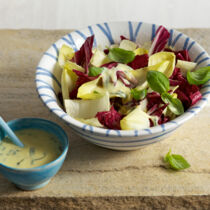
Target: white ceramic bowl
48 77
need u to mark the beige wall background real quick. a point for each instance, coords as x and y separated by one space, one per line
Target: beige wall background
70 14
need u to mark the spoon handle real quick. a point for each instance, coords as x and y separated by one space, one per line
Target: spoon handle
10 133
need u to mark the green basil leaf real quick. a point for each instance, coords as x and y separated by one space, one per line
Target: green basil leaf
121 55
138 94
95 71
158 81
174 104
166 158
199 76
177 162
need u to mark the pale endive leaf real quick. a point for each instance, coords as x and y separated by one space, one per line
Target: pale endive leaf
65 53
99 58
140 51
163 56
127 45
91 90
71 65
136 119
92 121
87 109
185 66
68 79
141 74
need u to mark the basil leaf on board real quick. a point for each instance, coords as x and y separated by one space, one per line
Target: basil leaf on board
158 81
95 71
121 55
138 94
199 76
176 162
174 104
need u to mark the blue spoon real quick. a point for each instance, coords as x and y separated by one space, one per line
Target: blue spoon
10 133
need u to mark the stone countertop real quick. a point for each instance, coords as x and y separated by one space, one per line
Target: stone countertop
93 177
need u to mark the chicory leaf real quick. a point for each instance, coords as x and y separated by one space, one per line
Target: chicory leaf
158 81
66 53
127 45
136 119
174 104
185 66
110 119
83 56
140 61
160 40
177 162
199 76
121 55
78 108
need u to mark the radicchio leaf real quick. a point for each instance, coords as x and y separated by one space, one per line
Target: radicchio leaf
122 76
181 54
106 51
163 119
123 37
110 119
83 56
158 111
159 41
139 61
110 65
156 107
188 94
153 98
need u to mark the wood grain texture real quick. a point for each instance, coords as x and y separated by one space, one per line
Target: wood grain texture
90 171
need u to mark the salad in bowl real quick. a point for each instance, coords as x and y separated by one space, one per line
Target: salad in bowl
127 85
124 85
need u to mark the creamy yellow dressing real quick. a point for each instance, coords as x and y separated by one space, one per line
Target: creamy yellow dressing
40 147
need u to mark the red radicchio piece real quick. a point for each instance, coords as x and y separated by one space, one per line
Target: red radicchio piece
196 96
163 119
110 119
153 98
83 56
139 61
174 82
158 111
156 107
184 99
110 65
82 78
106 51
180 55
122 76
81 74
188 94
159 41
128 82
123 37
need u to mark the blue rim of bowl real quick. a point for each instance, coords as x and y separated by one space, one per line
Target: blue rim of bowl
171 125
45 166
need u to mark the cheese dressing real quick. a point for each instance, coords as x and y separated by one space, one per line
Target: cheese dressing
40 147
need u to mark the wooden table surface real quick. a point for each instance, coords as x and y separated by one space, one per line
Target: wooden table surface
93 177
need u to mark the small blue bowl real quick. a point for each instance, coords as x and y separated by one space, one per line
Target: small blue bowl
35 178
